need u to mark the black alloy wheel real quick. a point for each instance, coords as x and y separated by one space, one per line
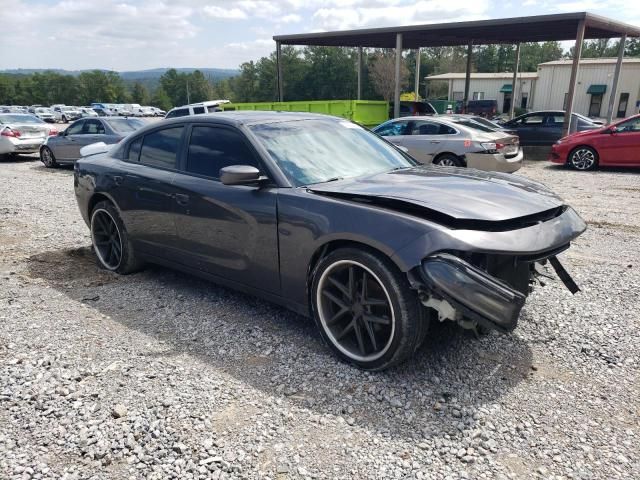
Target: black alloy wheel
106 239
365 309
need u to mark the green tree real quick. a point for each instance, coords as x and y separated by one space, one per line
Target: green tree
161 100
140 94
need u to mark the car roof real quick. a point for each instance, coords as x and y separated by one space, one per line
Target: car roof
249 117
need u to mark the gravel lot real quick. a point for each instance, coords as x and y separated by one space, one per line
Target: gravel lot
161 375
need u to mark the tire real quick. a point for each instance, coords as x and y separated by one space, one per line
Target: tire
448 160
111 241
583 159
373 328
48 158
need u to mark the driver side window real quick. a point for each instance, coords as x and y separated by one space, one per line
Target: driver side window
632 125
76 128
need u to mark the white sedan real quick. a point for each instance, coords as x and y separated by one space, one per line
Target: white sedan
22 133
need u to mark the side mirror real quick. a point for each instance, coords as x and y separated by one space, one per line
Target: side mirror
403 148
62 133
612 130
240 175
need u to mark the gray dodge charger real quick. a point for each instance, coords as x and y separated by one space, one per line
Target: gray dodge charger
328 219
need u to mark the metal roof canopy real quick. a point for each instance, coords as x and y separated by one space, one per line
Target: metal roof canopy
538 28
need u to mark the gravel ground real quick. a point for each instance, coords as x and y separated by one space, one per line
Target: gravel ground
161 375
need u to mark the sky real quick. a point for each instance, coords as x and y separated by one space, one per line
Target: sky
141 34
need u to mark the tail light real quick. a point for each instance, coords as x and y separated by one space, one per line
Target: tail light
500 146
7 132
53 132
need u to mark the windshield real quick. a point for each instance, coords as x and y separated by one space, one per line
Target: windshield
316 151
19 119
43 110
125 125
67 109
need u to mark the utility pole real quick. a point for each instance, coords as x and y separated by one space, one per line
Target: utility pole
188 96
417 75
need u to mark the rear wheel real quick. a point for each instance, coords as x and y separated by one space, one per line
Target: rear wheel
583 158
47 157
111 241
365 309
448 160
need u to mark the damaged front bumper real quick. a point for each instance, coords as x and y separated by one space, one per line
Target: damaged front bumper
462 292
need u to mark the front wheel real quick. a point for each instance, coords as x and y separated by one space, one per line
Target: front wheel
47 157
365 309
583 158
111 241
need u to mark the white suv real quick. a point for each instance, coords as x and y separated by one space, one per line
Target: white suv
196 108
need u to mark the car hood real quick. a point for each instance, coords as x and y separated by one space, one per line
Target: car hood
458 193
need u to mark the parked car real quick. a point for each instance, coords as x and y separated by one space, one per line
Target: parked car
158 112
196 108
411 109
616 145
66 114
87 112
65 147
121 110
104 112
545 127
22 133
44 114
482 108
445 142
324 217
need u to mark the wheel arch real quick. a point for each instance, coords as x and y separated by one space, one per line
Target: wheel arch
445 153
97 198
583 145
334 244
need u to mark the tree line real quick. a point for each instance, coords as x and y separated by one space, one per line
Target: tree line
311 73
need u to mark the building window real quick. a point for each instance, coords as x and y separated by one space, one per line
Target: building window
524 99
622 105
458 96
595 105
478 95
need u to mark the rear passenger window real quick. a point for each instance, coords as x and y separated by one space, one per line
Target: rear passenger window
134 150
213 148
198 110
160 148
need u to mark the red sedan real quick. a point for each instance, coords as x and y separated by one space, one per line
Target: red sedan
615 145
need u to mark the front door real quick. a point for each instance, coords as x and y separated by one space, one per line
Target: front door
227 231
623 146
66 145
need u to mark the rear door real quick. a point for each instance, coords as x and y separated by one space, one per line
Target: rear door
427 139
145 191
227 231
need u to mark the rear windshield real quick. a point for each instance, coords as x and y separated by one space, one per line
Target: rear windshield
474 125
19 119
125 125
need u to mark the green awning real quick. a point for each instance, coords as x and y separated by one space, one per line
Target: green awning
597 89
506 88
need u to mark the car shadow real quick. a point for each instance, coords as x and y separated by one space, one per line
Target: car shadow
280 353
623 170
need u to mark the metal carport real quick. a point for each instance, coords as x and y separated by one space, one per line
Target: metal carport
558 27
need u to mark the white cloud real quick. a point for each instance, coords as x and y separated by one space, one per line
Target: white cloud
291 18
223 13
367 14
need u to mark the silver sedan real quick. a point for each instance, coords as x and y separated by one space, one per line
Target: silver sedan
451 143
65 147
22 133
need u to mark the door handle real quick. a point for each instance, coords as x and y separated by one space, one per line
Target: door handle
181 198
434 141
118 180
